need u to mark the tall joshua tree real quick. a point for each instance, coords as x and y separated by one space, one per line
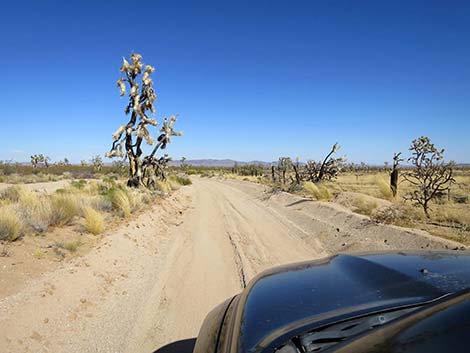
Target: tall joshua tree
142 97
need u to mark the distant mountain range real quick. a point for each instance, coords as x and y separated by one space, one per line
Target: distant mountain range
219 162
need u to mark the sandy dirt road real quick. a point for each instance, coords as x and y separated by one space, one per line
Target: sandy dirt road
153 281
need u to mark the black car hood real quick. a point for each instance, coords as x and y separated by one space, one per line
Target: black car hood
293 297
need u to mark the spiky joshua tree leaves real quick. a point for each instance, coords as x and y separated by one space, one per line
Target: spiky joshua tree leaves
128 138
430 175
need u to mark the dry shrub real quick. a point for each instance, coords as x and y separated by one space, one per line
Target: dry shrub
11 225
64 208
94 221
400 215
363 205
384 188
319 192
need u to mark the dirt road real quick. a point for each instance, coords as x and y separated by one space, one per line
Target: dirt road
153 281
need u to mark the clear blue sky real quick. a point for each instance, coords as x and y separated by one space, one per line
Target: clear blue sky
250 79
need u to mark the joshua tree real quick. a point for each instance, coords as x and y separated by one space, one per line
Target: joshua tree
394 173
47 159
183 163
284 166
37 159
297 171
326 170
430 175
97 163
141 103
83 163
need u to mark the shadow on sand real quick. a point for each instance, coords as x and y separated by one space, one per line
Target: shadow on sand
183 346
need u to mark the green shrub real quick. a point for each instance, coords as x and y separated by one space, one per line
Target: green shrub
80 184
182 180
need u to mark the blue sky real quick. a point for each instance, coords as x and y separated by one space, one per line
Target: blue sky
249 79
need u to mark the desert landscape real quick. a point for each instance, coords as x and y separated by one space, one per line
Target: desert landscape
157 157
160 260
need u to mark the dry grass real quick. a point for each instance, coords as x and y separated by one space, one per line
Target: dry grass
64 208
364 205
318 191
163 186
23 211
71 246
384 188
121 202
94 220
11 224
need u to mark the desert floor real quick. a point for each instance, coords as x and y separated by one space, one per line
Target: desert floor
152 281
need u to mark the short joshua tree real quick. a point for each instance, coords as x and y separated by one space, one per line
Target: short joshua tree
430 175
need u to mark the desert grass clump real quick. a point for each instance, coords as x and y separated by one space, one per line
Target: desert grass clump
163 186
11 224
364 206
13 193
319 192
37 213
64 208
94 220
71 246
385 191
135 198
120 201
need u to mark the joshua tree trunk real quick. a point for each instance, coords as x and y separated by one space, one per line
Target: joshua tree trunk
394 182
394 174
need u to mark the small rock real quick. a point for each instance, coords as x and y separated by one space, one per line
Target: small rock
83 300
46 320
